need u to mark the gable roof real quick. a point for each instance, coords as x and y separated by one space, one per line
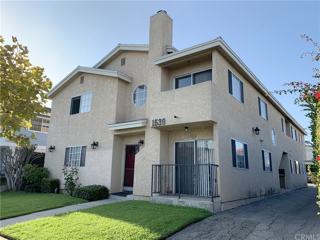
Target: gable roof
80 69
120 48
220 44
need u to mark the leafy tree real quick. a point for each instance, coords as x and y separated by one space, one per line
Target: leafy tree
13 162
23 91
309 98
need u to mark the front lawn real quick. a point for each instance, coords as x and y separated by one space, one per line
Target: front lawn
21 203
123 220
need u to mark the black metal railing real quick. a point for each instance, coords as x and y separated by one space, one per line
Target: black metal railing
198 180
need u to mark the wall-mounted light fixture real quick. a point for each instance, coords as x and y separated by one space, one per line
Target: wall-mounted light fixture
141 142
186 128
175 116
256 130
52 148
94 145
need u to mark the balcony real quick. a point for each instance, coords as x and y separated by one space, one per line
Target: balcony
193 180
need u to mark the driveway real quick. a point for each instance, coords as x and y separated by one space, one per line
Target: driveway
288 216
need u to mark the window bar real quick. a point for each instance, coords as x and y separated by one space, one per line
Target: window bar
179 180
152 167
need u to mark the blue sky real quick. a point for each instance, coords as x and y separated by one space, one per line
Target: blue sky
266 35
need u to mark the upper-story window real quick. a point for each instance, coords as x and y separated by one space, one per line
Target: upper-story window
203 76
273 137
235 87
263 109
282 125
81 103
239 154
194 78
266 160
184 81
140 95
293 133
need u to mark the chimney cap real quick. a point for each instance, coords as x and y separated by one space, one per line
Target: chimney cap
164 11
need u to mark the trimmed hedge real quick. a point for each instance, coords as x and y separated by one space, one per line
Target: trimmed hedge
50 185
92 192
32 188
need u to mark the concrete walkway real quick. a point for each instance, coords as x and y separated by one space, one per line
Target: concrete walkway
52 212
291 216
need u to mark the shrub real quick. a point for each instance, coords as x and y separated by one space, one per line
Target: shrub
92 192
3 181
70 179
33 176
50 185
32 188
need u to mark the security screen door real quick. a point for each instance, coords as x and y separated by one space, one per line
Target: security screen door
192 171
184 170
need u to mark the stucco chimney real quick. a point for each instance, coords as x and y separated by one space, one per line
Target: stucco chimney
160 34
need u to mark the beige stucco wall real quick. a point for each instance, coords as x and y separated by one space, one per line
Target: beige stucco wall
84 128
135 67
236 121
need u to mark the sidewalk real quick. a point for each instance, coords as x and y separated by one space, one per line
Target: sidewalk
52 212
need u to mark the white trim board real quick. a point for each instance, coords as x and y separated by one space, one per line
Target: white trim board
81 69
128 125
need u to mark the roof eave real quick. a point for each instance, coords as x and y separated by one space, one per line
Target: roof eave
219 42
122 47
81 69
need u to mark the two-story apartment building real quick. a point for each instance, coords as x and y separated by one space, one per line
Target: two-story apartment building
160 121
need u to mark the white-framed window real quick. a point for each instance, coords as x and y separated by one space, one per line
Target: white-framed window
81 104
273 137
140 95
263 108
193 78
293 133
239 154
85 103
75 156
266 161
235 87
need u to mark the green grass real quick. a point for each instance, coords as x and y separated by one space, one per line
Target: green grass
20 203
123 220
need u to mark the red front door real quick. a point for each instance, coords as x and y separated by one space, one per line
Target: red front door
131 151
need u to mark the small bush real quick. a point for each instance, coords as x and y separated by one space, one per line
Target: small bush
92 192
70 179
32 188
50 185
33 176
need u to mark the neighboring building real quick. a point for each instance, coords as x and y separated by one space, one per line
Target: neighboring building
160 121
41 123
37 134
309 154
